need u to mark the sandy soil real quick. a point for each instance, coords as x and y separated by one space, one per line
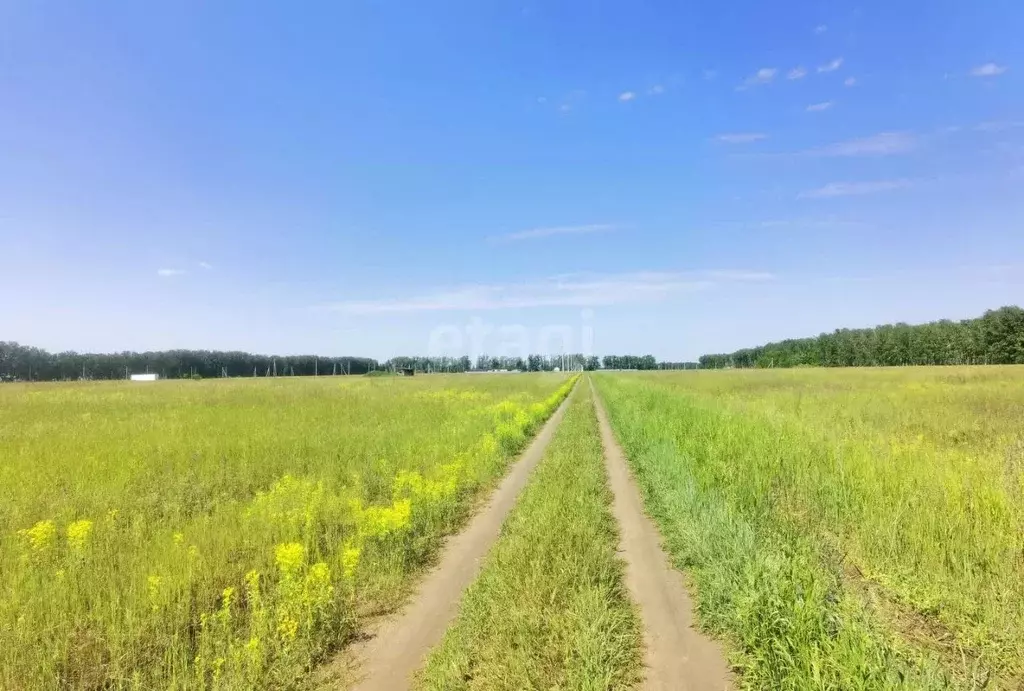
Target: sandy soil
676 655
396 646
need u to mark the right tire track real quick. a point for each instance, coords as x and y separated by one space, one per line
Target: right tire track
676 655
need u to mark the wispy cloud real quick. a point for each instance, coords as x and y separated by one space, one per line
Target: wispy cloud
882 144
814 223
710 75
627 96
205 265
832 66
741 137
765 75
571 100
850 81
818 107
998 126
574 290
989 69
168 273
820 29
796 73
656 90
535 233
849 189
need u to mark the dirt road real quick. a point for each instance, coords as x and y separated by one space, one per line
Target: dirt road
399 644
676 655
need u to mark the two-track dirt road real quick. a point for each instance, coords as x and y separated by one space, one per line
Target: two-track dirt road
676 655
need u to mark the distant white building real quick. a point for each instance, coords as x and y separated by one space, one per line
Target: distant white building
145 377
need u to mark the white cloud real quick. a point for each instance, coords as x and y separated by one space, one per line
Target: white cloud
796 73
998 126
848 189
627 96
534 233
168 273
818 107
832 66
205 265
741 137
850 81
820 29
656 90
571 100
709 75
816 223
542 100
989 69
765 75
575 290
882 144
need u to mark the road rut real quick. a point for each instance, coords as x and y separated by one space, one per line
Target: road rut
676 655
398 645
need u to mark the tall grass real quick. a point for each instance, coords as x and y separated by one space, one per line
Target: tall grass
845 529
228 534
549 610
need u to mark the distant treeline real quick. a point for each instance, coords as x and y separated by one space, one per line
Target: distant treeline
534 363
997 337
35 364
18 362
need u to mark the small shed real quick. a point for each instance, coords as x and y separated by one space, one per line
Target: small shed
408 371
145 377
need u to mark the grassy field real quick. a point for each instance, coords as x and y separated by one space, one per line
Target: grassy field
549 610
843 528
229 534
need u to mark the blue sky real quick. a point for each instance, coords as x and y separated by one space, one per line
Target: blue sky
371 177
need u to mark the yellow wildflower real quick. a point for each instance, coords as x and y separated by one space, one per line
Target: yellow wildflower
252 585
288 628
41 536
489 445
78 534
350 560
407 483
379 521
179 538
289 557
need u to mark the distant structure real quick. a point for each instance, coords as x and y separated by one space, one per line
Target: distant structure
145 377
408 371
